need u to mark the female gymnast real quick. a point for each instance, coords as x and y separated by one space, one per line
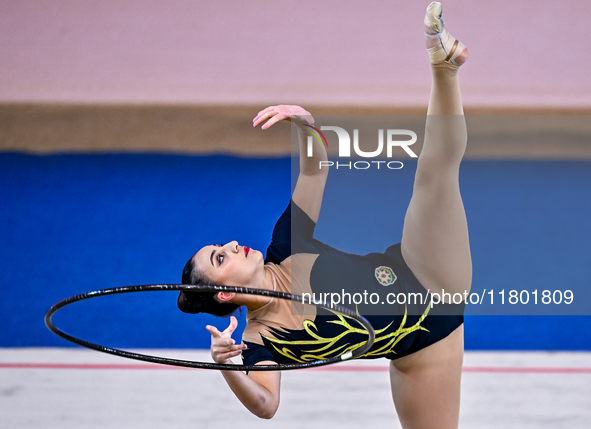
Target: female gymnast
426 349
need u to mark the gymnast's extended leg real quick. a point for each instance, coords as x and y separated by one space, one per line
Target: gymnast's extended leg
426 384
435 235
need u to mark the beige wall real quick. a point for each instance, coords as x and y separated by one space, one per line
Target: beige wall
188 76
256 52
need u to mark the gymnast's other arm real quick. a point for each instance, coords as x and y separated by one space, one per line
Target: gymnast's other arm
258 391
309 188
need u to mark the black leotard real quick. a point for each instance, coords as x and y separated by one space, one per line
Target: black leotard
320 337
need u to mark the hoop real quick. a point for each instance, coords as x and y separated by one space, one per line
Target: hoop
206 365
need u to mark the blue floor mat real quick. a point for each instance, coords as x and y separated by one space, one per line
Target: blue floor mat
74 223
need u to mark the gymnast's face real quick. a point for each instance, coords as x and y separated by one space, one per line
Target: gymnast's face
230 264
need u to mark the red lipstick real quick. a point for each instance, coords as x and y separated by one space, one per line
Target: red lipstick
246 250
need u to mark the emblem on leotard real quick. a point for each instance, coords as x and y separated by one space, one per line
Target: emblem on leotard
385 276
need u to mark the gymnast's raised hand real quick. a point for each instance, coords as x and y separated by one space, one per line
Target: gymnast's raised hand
274 114
309 187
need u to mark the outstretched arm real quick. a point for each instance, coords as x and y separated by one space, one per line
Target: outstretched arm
309 188
258 391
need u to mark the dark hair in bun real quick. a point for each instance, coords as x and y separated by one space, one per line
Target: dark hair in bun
201 302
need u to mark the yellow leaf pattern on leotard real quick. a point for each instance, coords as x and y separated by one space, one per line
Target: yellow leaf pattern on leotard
327 347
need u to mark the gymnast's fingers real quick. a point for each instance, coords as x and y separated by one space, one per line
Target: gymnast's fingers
263 117
238 347
233 325
214 331
265 110
278 117
223 342
219 349
222 357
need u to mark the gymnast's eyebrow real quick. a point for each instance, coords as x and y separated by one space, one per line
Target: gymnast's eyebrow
211 257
